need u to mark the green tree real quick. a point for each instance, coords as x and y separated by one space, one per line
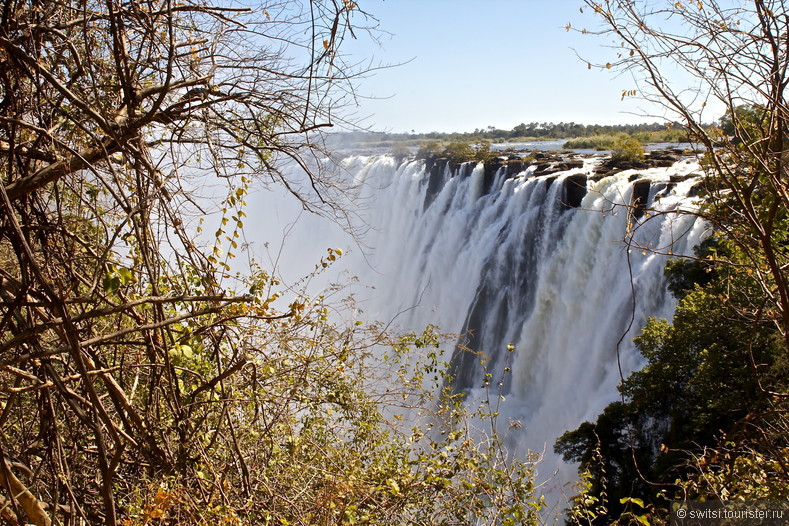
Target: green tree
627 150
716 376
429 150
458 152
700 385
745 122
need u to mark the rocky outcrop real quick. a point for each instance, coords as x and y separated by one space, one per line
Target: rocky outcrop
556 167
653 159
550 164
639 197
574 191
515 166
435 180
662 158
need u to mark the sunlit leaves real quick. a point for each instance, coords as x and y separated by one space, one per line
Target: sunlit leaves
115 278
181 351
333 254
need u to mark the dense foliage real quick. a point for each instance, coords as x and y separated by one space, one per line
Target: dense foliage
702 385
706 417
456 152
627 150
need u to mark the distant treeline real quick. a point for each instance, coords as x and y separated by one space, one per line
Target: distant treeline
526 132
562 130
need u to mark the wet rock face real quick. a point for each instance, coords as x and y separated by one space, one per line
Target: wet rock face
515 166
653 159
639 197
434 181
574 191
556 167
550 164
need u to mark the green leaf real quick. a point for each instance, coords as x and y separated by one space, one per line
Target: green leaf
111 282
181 351
125 275
636 501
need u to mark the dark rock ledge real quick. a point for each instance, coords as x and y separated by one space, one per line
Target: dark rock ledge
549 164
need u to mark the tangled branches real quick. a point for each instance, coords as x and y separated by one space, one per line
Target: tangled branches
116 328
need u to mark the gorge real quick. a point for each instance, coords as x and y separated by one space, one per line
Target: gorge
546 270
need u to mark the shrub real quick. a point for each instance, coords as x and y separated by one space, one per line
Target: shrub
318 438
482 152
627 150
429 150
596 142
400 152
458 152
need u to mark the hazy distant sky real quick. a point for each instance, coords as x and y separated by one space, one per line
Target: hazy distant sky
480 63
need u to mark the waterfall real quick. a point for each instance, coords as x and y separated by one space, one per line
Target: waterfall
505 259
536 261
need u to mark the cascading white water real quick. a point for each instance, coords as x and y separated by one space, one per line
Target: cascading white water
507 261
504 260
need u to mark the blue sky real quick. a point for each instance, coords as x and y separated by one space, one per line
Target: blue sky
470 64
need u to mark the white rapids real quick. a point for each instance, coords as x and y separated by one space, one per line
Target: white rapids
502 260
